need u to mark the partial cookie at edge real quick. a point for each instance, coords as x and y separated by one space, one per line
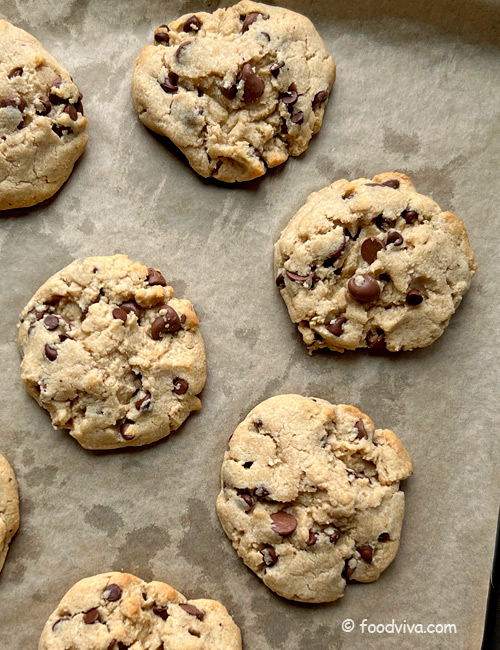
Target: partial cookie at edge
9 507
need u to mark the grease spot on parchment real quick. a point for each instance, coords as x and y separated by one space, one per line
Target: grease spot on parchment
104 518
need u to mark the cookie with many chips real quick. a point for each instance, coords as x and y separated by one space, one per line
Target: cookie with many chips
9 508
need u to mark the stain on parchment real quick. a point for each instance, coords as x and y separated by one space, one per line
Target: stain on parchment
104 518
138 549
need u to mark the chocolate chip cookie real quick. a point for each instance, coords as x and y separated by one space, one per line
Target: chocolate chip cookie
41 121
372 263
111 354
116 611
9 508
238 91
310 496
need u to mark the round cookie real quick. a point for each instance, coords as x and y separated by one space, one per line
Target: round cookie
9 507
115 611
111 354
238 90
41 121
310 496
372 264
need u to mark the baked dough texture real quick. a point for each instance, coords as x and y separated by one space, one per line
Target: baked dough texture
111 353
117 611
238 90
372 263
41 121
310 496
9 507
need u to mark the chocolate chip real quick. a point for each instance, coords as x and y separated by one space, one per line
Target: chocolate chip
162 37
247 498
295 277
275 68
60 620
269 555
313 538
161 611
144 403
192 610
360 426
290 97
71 111
192 24
280 281
320 97
333 536
370 247
123 430
336 327
334 256
183 318
51 322
131 307
261 491
366 553
298 118
383 222
112 593
409 215
46 107
392 183
155 277
230 91
376 341
414 297
124 646
120 314
14 101
180 386
283 523
384 537
16 72
254 85
92 616
385 277
166 323
266 36
61 130
65 337
79 107
248 464
249 20
367 291
50 352
349 570
170 83
394 237
181 47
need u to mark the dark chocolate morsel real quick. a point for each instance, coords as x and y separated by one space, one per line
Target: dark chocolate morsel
46 107
71 111
336 327
384 537
254 85
280 281
290 97
298 118
269 555
180 386
249 20
394 237
16 72
60 620
50 352
370 248
91 616
366 553
409 215
283 523
367 291
162 37
313 538
360 426
119 314
192 610
230 91
295 277
320 97
143 403
123 430
131 307
155 277
161 611
112 593
192 24
51 322
170 83
275 68
414 297
181 47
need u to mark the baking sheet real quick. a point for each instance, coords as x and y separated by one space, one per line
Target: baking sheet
418 91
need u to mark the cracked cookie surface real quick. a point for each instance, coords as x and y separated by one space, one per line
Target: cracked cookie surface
310 496
117 611
372 264
9 507
111 354
237 91
41 121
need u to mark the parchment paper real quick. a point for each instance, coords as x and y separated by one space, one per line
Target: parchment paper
418 91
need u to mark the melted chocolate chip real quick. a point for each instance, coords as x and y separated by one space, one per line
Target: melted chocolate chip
192 610
144 403
370 247
119 314
366 553
192 24
249 20
269 555
295 277
181 47
320 97
16 72
298 118
162 37
395 237
230 91
290 97
51 322
170 83
123 430
92 616
349 570
61 130
14 101
167 323
335 256
414 297
376 341
50 352
71 111
180 386
334 535
391 183
313 538
161 611
336 327
46 107
60 620
131 307
155 277
360 426
280 281
275 68
384 537
367 291
112 593
261 491
247 498
409 215
283 523
254 85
